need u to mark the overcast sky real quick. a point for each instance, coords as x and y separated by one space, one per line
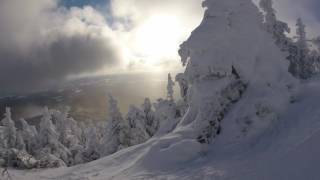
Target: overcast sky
43 42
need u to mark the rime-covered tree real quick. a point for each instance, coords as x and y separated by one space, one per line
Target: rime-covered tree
183 84
47 131
30 136
117 135
170 85
49 138
10 136
277 28
301 35
237 27
137 124
92 144
20 145
301 65
68 129
166 115
152 125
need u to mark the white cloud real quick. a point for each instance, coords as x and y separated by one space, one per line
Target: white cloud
42 44
152 30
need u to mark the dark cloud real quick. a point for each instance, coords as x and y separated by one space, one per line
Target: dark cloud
54 62
44 44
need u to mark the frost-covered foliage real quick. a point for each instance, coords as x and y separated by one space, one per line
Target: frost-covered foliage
137 124
117 133
59 140
230 58
218 78
10 134
183 83
304 63
170 88
277 28
236 86
152 124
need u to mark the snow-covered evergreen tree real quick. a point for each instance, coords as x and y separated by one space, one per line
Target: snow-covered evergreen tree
277 28
137 124
20 141
49 138
68 129
170 85
256 65
152 125
10 136
30 136
301 35
183 84
117 135
166 115
301 65
91 151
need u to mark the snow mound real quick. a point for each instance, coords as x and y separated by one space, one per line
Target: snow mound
242 121
286 152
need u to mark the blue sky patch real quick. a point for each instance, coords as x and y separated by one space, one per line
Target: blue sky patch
81 3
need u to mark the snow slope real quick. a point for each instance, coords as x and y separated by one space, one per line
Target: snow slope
288 151
239 103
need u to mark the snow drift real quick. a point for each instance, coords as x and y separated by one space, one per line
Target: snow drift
246 118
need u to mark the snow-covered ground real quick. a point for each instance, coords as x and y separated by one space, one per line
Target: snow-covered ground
288 151
247 117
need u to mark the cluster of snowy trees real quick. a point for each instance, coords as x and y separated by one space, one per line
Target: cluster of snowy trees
304 61
214 81
59 140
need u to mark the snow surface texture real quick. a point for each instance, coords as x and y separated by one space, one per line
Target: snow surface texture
289 151
239 124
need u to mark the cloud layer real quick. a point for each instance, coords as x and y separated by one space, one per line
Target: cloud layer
41 44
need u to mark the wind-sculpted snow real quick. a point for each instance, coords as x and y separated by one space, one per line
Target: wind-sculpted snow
287 150
229 44
245 116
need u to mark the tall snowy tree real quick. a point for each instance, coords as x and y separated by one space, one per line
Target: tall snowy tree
68 129
152 125
277 28
49 138
259 64
30 136
20 141
137 125
92 144
183 84
301 65
47 131
301 35
117 135
170 86
11 131
166 115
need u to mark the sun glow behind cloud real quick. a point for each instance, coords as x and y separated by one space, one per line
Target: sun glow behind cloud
158 37
154 42
47 41
150 31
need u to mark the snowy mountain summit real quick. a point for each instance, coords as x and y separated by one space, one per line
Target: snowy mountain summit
247 117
